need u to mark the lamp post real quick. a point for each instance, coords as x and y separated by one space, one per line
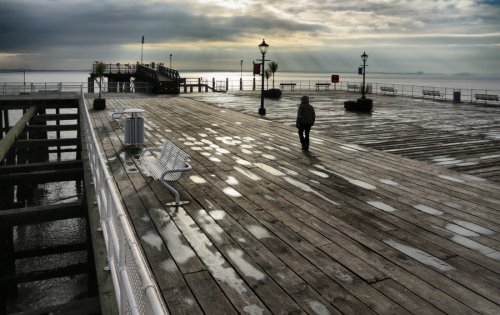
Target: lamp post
263 49
170 61
364 57
241 75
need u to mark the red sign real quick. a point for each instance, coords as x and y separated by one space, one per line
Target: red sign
256 68
335 78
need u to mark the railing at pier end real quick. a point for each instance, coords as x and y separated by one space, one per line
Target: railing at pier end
136 290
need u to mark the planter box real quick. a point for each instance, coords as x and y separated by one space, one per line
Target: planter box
361 105
99 104
272 93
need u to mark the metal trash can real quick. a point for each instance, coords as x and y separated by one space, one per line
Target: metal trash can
134 131
456 96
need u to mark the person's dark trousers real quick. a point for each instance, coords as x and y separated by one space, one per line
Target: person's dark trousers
304 136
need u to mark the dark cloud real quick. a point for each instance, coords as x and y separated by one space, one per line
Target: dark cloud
303 34
26 27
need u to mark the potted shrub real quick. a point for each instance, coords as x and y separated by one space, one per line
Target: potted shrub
272 93
362 104
99 69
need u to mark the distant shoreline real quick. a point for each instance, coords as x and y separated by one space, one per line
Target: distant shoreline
418 73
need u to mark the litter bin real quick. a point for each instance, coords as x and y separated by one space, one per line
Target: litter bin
134 127
456 96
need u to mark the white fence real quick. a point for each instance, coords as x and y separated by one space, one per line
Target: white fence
135 288
426 92
416 91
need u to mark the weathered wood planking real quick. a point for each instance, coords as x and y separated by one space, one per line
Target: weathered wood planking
343 229
464 137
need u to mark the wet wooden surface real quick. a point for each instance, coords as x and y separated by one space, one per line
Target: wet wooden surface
464 136
344 228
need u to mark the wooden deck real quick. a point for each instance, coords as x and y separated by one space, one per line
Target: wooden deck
342 229
464 137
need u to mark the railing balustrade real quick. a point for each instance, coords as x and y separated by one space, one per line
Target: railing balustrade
135 288
417 91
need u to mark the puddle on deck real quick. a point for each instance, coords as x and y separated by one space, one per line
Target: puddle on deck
420 255
428 209
382 206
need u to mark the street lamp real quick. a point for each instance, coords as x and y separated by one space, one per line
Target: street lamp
241 75
170 61
364 57
263 49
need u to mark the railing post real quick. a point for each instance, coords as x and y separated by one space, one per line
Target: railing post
213 84
227 84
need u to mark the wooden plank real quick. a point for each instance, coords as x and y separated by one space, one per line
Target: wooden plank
87 306
24 168
326 241
40 214
14 132
47 142
73 174
404 297
208 294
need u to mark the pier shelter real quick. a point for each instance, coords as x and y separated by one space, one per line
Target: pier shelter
121 78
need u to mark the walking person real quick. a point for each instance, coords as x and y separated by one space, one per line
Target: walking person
305 120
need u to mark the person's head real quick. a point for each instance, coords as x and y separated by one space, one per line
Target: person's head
304 100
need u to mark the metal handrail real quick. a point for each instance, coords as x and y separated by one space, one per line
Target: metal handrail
124 255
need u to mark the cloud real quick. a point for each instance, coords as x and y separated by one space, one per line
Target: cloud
66 33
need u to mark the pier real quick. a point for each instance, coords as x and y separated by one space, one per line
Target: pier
44 148
163 80
345 229
350 227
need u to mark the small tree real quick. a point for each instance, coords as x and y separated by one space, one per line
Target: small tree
99 69
267 74
273 67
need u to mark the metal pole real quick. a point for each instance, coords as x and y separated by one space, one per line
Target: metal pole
170 61
142 49
363 88
262 110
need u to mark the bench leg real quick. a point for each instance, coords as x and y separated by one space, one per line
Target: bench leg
174 192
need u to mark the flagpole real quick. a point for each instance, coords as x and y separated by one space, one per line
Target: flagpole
142 48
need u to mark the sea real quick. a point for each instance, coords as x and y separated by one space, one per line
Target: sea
457 81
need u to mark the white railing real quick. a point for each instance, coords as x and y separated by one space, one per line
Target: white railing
135 288
466 95
16 88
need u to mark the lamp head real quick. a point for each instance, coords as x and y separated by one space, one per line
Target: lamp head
263 47
364 56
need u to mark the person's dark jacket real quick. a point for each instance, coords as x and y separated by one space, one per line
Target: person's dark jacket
305 114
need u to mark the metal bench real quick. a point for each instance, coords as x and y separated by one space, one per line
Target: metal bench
432 93
353 87
388 89
486 97
118 113
325 85
291 85
168 166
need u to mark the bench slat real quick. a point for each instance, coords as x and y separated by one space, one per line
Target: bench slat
486 97
168 166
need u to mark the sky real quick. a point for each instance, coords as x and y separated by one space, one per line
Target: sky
399 36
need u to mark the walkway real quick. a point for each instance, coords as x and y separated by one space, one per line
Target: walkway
342 229
464 137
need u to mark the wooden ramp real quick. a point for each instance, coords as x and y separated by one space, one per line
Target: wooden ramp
341 229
